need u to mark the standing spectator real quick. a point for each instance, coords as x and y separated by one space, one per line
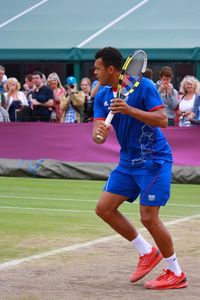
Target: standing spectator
2 80
189 88
2 100
41 99
194 116
168 94
53 81
96 87
149 74
28 85
44 79
4 116
15 100
73 104
89 101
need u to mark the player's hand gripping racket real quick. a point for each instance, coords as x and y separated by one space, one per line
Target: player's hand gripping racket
129 78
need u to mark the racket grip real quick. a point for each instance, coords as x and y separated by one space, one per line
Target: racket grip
109 118
107 122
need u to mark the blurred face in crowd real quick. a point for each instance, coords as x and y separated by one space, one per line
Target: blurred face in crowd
53 84
190 87
85 86
29 83
165 80
37 80
12 85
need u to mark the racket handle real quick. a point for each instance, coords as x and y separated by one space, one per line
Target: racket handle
109 118
107 122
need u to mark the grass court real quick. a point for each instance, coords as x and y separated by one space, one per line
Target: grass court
39 215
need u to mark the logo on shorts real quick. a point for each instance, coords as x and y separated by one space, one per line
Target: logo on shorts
151 197
105 103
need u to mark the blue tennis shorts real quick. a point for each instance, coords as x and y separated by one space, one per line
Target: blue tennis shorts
151 181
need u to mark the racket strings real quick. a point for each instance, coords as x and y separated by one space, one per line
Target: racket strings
128 83
135 66
132 73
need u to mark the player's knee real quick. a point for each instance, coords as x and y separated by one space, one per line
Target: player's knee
98 211
147 220
149 217
102 212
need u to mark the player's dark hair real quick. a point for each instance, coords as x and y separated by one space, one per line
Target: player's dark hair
110 57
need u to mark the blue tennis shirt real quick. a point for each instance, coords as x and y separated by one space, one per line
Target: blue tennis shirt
139 142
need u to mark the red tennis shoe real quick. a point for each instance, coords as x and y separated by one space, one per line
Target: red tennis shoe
167 280
146 263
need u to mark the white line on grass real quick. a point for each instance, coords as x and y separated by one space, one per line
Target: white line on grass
47 198
47 209
67 210
22 13
76 247
81 200
112 23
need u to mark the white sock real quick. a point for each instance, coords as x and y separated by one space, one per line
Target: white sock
173 265
142 246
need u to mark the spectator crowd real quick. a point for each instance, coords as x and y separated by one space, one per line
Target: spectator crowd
182 106
48 100
45 99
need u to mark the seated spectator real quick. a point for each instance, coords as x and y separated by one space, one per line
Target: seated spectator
42 99
168 94
53 81
189 88
15 100
89 101
194 116
73 104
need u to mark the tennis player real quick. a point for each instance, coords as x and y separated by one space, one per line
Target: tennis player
144 168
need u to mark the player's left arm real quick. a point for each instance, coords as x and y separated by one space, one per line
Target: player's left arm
152 112
155 117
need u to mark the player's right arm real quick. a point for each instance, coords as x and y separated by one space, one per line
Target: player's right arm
100 129
100 114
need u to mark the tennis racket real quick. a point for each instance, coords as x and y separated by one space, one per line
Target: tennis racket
129 78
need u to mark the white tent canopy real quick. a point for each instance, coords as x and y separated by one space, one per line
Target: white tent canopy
64 29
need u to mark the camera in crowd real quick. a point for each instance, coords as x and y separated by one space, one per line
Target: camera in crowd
71 83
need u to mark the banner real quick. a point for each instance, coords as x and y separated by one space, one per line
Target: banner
73 143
